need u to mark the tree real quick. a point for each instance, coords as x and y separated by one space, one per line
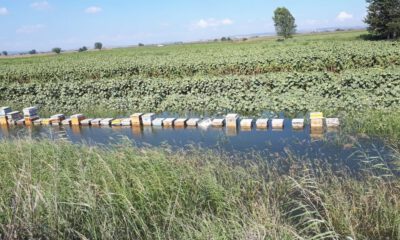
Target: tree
5 53
56 50
141 45
82 49
284 22
33 51
384 18
98 45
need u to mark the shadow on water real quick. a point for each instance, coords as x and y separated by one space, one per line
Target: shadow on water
332 145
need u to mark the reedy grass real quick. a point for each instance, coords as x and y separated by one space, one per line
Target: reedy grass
57 190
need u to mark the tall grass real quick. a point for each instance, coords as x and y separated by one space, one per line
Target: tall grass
56 190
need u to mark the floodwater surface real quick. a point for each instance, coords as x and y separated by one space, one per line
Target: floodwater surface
331 145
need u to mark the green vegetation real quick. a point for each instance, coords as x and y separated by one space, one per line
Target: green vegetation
60 190
98 45
56 50
284 22
384 18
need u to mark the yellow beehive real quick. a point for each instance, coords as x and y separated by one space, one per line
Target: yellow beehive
3 120
316 115
76 119
46 121
136 119
317 123
29 120
117 122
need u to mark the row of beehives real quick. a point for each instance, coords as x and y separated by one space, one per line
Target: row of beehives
30 117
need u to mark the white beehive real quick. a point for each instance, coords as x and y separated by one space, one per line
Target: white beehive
232 120
205 123
298 123
147 119
180 122
218 122
277 123
246 123
332 122
86 122
192 122
158 122
169 122
262 123
106 121
126 122
96 121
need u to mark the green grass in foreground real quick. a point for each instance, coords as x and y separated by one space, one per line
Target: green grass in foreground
64 191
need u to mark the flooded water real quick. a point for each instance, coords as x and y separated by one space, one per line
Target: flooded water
331 145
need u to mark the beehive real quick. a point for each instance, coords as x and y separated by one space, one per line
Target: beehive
37 122
3 120
205 123
126 122
14 116
180 122
332 122
116 122
147 119
136 119
277 123
30 111
158 122
262 123
218 122
57 119
29 120
86 122
46 121
298 123
4 111
169 122
76 119
96 122
316 115
317 123
232 120
192 122
66 122
246 123
106 121
20 122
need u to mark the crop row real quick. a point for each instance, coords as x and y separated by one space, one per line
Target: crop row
291 92
214 60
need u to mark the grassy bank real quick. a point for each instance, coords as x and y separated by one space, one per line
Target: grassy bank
59 190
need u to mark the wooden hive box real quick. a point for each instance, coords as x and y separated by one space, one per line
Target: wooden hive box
298 123
136 119
169 122
317 123
3 120
96 121
315 115
277 123
192 122
246 123
147 119
76 119
86 122
106 121
126 122
180 122
332 122
232 120
262 123
218 122
66 122
158 122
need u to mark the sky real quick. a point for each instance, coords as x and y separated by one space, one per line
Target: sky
42 25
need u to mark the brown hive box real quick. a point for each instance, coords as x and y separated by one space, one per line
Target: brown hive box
169 122
136 119
317 123
232 120
76 119
180 122
3 120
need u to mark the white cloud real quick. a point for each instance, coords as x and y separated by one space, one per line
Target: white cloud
93 10
344 16
211 22
3 11
30 29
44 5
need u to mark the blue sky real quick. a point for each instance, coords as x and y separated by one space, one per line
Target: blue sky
41 25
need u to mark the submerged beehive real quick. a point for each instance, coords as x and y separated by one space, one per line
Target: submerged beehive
136 119
262 123
298 123
29 120
205 123
232 120
106 121
180 122
246 123
169 122
76 119
332 122
87 122
158 122
218 122
317 123
96 121
147 119
116 122
20 122
46 121
126 122
277 123
66 121
37 122
316 115
57 119
192 122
